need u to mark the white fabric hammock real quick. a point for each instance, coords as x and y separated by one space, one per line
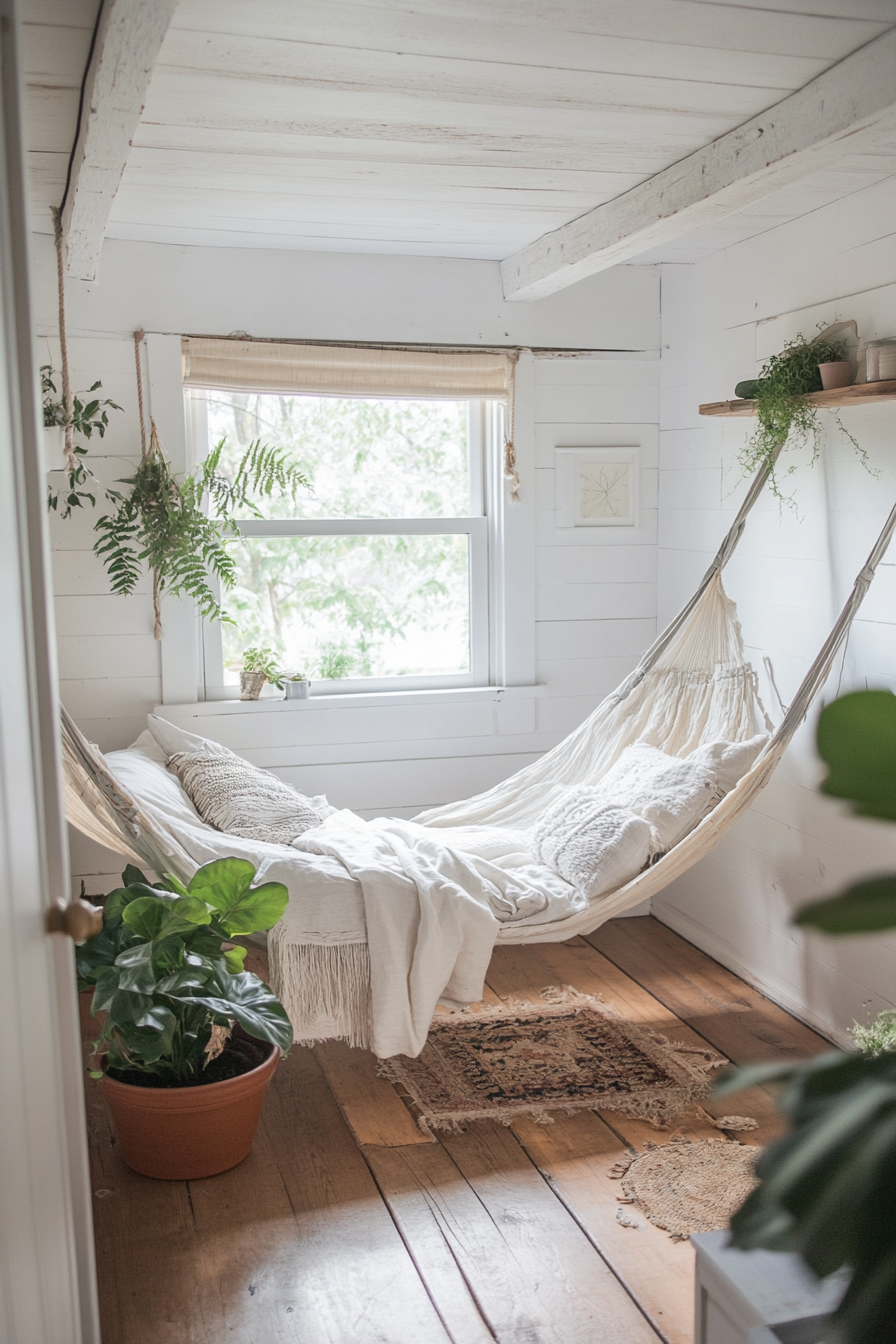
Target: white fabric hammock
693 686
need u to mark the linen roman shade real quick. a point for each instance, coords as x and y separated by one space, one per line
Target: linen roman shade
341 370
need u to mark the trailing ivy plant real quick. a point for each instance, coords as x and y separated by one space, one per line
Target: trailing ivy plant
828 1187
89 417
160 524
782 411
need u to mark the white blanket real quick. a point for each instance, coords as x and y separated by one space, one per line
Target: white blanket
433 903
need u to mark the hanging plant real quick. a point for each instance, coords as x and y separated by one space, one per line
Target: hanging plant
160 525
89 416
782 410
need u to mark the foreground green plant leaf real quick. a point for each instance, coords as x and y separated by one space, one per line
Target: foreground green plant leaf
857 741
828 1187
866 907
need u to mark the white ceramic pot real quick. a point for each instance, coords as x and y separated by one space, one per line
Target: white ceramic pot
297 690
53 448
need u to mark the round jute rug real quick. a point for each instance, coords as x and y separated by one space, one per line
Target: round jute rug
691 1187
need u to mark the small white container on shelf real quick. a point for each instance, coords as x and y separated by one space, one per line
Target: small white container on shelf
880 360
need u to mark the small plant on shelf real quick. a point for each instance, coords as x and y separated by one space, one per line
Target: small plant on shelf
90 416
782 411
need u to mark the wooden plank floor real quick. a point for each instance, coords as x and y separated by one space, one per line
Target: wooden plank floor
348 1225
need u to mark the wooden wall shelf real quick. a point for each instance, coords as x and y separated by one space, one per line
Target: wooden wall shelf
839 396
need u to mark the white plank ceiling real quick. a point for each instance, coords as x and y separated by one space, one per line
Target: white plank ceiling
463 128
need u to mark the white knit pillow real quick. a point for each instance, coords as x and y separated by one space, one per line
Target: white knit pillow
593 846
673 793
236 797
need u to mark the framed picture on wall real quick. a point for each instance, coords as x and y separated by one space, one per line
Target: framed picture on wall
597 487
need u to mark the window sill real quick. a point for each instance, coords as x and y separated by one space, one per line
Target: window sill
353 700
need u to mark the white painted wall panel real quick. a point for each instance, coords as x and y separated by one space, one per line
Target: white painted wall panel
721 319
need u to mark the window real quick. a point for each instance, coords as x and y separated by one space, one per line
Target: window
377 576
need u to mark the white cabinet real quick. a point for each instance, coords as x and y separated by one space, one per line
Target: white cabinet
741 1294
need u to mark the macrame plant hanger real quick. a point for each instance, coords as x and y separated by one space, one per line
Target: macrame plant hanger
510 468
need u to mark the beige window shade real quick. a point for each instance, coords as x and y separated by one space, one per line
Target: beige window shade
263 366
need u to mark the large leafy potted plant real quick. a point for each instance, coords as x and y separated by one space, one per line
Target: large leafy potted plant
189 1039
828 1187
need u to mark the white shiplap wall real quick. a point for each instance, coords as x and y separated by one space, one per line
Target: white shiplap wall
594 590
721 319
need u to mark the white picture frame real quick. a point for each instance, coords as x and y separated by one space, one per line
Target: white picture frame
597 487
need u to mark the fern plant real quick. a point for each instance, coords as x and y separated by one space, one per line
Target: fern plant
160 525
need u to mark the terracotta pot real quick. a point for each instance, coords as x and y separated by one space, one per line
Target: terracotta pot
251 684
184 1133
838 373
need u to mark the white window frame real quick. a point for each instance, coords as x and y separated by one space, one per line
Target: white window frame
483 526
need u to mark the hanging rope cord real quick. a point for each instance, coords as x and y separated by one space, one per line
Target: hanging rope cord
510 468
146 451
68 397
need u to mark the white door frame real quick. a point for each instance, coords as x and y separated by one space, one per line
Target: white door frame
47 1273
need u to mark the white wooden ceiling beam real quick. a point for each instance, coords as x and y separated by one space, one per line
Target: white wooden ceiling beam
127 44
845 110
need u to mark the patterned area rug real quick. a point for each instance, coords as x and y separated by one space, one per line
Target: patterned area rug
686 1187
571 1054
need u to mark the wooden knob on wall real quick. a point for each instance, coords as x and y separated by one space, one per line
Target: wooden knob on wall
79 920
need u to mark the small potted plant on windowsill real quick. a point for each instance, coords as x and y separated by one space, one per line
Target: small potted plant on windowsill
189 1040
259 666
298 686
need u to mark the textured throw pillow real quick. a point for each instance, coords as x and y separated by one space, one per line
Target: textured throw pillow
593 846
236 797
674 793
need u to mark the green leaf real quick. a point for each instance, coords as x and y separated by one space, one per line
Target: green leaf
152 1036
242 909
174 884
254 1006
160 916
186 977
857 740
131 875
234 958
866 907
136 969
106 989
